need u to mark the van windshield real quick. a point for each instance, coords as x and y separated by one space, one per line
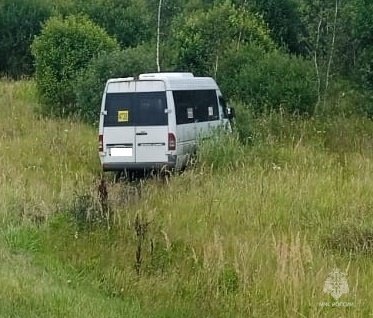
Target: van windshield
136 109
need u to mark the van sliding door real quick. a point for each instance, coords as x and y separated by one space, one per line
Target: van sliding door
185 121
206 112
197 113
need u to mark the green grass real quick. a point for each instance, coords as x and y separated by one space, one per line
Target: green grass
251 231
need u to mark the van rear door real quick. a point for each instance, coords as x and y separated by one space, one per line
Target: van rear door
118 128
151 122
151 119
135 125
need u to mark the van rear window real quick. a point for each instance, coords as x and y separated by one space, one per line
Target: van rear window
136 109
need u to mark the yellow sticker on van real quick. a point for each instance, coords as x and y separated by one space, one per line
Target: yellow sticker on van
122 116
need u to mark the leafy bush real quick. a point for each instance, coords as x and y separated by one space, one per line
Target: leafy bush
201 38
268 81
91 82
363 22
284 21
127 20
62 51
20 21
365 68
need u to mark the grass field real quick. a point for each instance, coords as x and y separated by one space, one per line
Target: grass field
252 231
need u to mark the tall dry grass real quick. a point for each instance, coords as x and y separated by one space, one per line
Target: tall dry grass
252 231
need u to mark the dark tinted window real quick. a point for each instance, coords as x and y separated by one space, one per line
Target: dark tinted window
184 107
136 109
195 106
223 105
119 104
206 105
150 109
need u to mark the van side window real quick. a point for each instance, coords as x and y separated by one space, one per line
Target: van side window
206 105
203 104
184 107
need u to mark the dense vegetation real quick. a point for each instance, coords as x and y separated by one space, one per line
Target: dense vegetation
254 227
320 49
64 48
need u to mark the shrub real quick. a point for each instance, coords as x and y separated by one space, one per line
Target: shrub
127 20
202 37
91 82
20 21
268 81
62 51
365 68
284 21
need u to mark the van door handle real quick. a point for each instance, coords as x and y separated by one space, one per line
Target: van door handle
142 133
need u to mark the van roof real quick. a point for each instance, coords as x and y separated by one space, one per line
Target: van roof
165 75
181 81
174 81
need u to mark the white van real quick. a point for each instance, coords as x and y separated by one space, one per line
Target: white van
154 121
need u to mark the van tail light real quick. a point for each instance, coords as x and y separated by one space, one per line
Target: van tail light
100 143
171 141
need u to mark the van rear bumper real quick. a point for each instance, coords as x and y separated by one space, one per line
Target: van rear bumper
120 166
137 166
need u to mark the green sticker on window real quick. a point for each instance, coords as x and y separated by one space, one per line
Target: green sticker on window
122 116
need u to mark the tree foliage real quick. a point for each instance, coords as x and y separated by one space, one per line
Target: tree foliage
283 20
364 36
127 20
269 81
62 51
246 44
20 21
201 38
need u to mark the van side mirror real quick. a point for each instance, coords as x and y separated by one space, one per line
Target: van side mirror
231 113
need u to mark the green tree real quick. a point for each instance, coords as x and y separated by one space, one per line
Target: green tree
284 22
364 36
20 21
201 38
326 38
171 10
283 19
268 81
128 20
62 51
